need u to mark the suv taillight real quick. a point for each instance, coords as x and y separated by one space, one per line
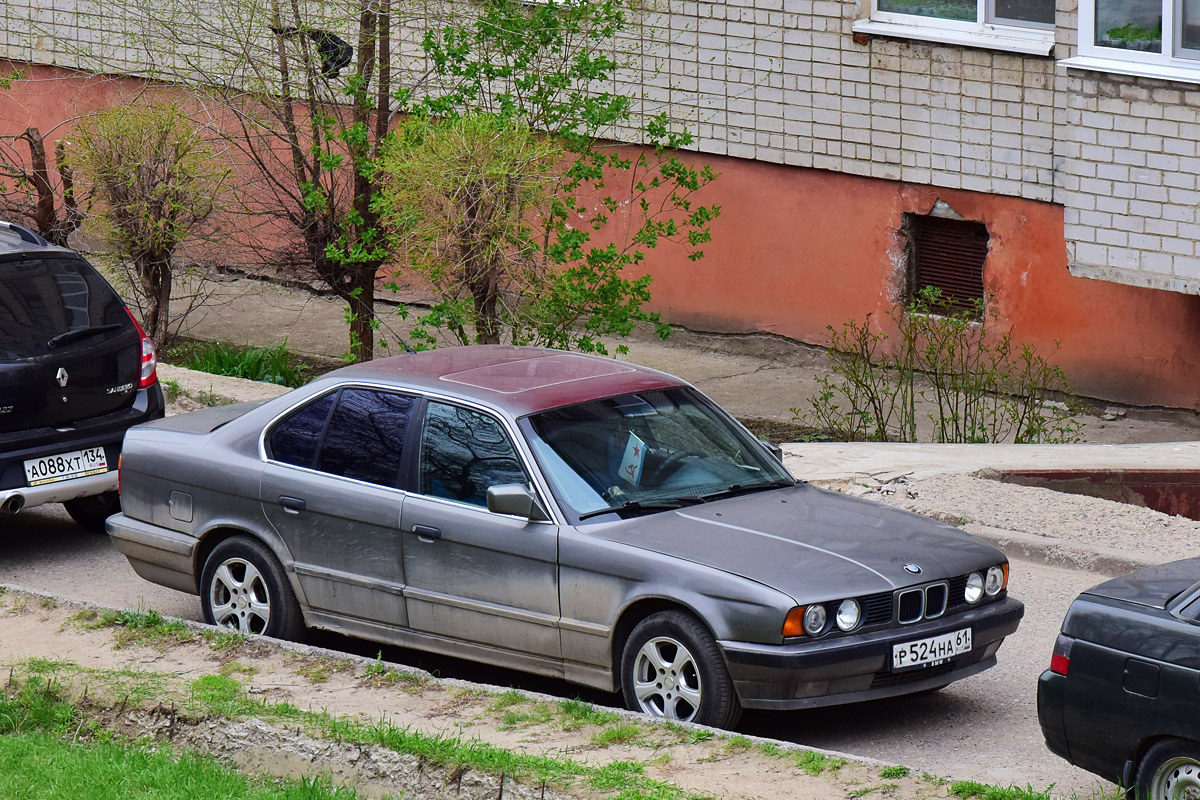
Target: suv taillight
1060 660
149 373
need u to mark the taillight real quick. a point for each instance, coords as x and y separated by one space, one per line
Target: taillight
1060 660
149 374
119 458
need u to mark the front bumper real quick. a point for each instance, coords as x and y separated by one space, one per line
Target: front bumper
850 669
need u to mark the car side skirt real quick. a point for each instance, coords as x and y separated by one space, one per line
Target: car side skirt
583 674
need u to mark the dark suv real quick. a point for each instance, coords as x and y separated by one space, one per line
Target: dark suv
76 371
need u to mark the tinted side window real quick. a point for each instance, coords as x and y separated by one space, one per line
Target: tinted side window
463 452
295 438
365 438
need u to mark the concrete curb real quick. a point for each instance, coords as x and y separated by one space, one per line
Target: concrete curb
1060 552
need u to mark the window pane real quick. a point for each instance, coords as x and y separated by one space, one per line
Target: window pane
1037 11
942 9
1129 24
366 436
464 452
1191 25
294 440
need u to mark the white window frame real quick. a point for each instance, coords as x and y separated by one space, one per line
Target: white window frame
1167 65
985 31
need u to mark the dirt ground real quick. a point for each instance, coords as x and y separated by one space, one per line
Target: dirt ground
99 664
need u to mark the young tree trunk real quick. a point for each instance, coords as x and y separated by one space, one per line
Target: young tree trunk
155 273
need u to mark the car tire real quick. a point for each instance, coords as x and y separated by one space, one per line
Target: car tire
671 668
243 588
1170 768
90 512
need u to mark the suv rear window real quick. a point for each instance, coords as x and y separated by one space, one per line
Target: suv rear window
44 298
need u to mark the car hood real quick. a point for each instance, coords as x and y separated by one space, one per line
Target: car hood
1153 587
809 543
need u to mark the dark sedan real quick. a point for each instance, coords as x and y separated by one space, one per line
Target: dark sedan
1122 695
564 514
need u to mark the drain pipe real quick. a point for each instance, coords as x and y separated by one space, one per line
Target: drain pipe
13 504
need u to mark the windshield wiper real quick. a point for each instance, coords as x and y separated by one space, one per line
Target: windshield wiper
80 333
644 506
738 488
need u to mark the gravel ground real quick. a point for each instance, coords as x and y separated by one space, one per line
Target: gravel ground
1083 521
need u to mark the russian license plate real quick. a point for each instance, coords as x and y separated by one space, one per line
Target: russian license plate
933 650
64 466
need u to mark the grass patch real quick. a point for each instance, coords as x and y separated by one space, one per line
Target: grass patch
141 626
319 669
986 791
618 733
893 772
813 763
577 713
225 642
273 364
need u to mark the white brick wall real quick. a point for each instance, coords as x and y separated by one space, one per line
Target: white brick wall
783 81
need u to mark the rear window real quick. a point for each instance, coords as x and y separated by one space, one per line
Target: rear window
44 298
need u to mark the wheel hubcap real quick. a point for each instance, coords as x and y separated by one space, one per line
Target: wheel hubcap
666 680
239 597
1178 779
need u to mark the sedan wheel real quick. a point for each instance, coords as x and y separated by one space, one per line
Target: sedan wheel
1170 771
672 669
244 589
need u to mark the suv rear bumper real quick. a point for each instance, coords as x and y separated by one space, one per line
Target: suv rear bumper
13 500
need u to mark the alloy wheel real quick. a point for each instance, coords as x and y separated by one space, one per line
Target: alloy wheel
666 680
239 597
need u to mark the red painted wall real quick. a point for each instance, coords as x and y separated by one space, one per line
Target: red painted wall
795 250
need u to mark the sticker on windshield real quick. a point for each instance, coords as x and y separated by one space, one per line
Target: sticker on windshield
631 462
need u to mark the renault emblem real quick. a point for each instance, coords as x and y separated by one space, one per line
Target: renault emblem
912 568
62 377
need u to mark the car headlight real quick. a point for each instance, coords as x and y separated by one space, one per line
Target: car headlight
995 581
974 588
848 614
814 619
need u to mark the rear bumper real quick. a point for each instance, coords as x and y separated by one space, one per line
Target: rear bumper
1051 708
850 669
157 554
108 432
13 500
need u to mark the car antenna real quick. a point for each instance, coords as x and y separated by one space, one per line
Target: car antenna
399 338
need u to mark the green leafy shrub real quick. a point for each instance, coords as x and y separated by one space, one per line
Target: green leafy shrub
267 364
987 388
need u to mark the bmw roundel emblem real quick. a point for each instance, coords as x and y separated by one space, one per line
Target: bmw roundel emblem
912 568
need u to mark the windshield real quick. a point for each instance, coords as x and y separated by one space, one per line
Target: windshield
646 452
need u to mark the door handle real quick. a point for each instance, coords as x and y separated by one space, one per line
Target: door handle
292 505
426 533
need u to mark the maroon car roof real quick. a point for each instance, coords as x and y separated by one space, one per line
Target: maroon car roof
522 380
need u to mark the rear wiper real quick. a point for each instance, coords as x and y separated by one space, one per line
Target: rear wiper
644 506
79 333
738 488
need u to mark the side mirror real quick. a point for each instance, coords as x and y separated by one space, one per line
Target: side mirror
775 449
515 500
